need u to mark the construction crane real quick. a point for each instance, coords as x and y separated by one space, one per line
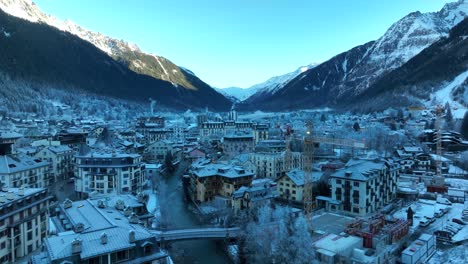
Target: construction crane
308 159
287 153
439 112
438 183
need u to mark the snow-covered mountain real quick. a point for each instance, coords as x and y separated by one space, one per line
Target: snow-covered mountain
35 53
27 9
349 74
437 75
269 86
124 52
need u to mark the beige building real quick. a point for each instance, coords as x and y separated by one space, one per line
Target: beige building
24 221
158 150
210 180
60 159
237 144
117 173
291 185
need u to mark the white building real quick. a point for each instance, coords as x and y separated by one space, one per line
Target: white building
364 186
109 173
272 164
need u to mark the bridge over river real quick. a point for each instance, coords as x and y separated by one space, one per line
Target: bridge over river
197 233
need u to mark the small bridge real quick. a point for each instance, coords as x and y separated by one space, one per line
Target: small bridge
197 233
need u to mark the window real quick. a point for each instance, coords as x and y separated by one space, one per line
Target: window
147 249
356 184
30 249
338 181
122 255
30 235
95 260
356 210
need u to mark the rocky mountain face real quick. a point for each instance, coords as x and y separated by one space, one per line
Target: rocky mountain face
127 54
347 75
440 71
40 53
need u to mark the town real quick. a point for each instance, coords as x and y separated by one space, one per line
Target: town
312 186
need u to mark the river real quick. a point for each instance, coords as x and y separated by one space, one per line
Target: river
178 215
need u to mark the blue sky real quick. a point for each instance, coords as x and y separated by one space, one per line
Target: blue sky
239 42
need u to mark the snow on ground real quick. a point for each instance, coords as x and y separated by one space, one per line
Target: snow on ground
423 208
457 255
444 95
456 170
462 235
153 206
457 183
52 228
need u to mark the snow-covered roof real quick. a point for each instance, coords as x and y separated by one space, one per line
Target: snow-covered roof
12 164
224 170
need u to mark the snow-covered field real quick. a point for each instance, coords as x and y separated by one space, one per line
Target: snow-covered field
457 183
457 255
444 95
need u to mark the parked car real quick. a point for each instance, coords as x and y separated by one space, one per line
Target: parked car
430 219
424 223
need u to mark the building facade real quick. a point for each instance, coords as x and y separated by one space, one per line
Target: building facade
237 144
210 180
24 221
118 173
23 171
60 159
364 186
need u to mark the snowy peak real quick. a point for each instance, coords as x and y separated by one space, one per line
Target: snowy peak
269 86
349 74
121 51
275 83
28 10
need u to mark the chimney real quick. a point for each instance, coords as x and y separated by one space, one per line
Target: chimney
10 195
76 246
101 204
2 198
103 238
133 219
21 191
127 211
67 204
120 205
131 236
79 228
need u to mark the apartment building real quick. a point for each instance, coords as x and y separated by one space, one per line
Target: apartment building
210 180
60 159
364 186
272 164
23 171
239 143
24 221
105 172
